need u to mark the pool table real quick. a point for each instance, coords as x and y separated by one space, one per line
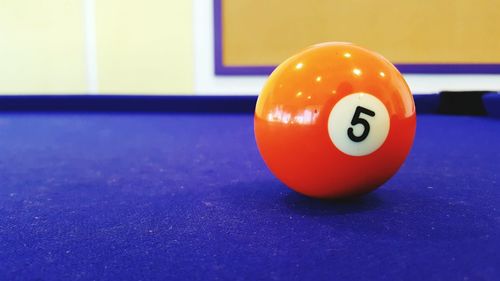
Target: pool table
142 188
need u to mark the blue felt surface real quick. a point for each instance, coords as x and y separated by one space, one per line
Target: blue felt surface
151 196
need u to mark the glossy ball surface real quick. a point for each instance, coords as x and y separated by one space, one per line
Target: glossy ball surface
335 120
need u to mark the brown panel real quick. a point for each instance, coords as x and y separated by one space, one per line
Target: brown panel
264 32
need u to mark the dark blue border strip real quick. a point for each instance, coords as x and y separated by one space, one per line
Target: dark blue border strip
492 104
428 103
425 104
221 69
101 103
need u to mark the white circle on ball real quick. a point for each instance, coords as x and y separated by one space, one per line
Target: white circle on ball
358 124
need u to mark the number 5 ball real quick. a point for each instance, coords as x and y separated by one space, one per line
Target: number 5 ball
335 120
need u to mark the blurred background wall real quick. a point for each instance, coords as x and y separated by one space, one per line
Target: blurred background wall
135 47
90 46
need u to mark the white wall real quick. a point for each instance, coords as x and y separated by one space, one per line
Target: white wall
205 80
93 47
206 83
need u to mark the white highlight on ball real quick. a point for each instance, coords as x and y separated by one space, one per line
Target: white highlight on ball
366 117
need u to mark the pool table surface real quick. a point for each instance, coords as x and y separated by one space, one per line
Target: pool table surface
105 194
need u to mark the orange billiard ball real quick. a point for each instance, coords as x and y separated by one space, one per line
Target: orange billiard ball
335 120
